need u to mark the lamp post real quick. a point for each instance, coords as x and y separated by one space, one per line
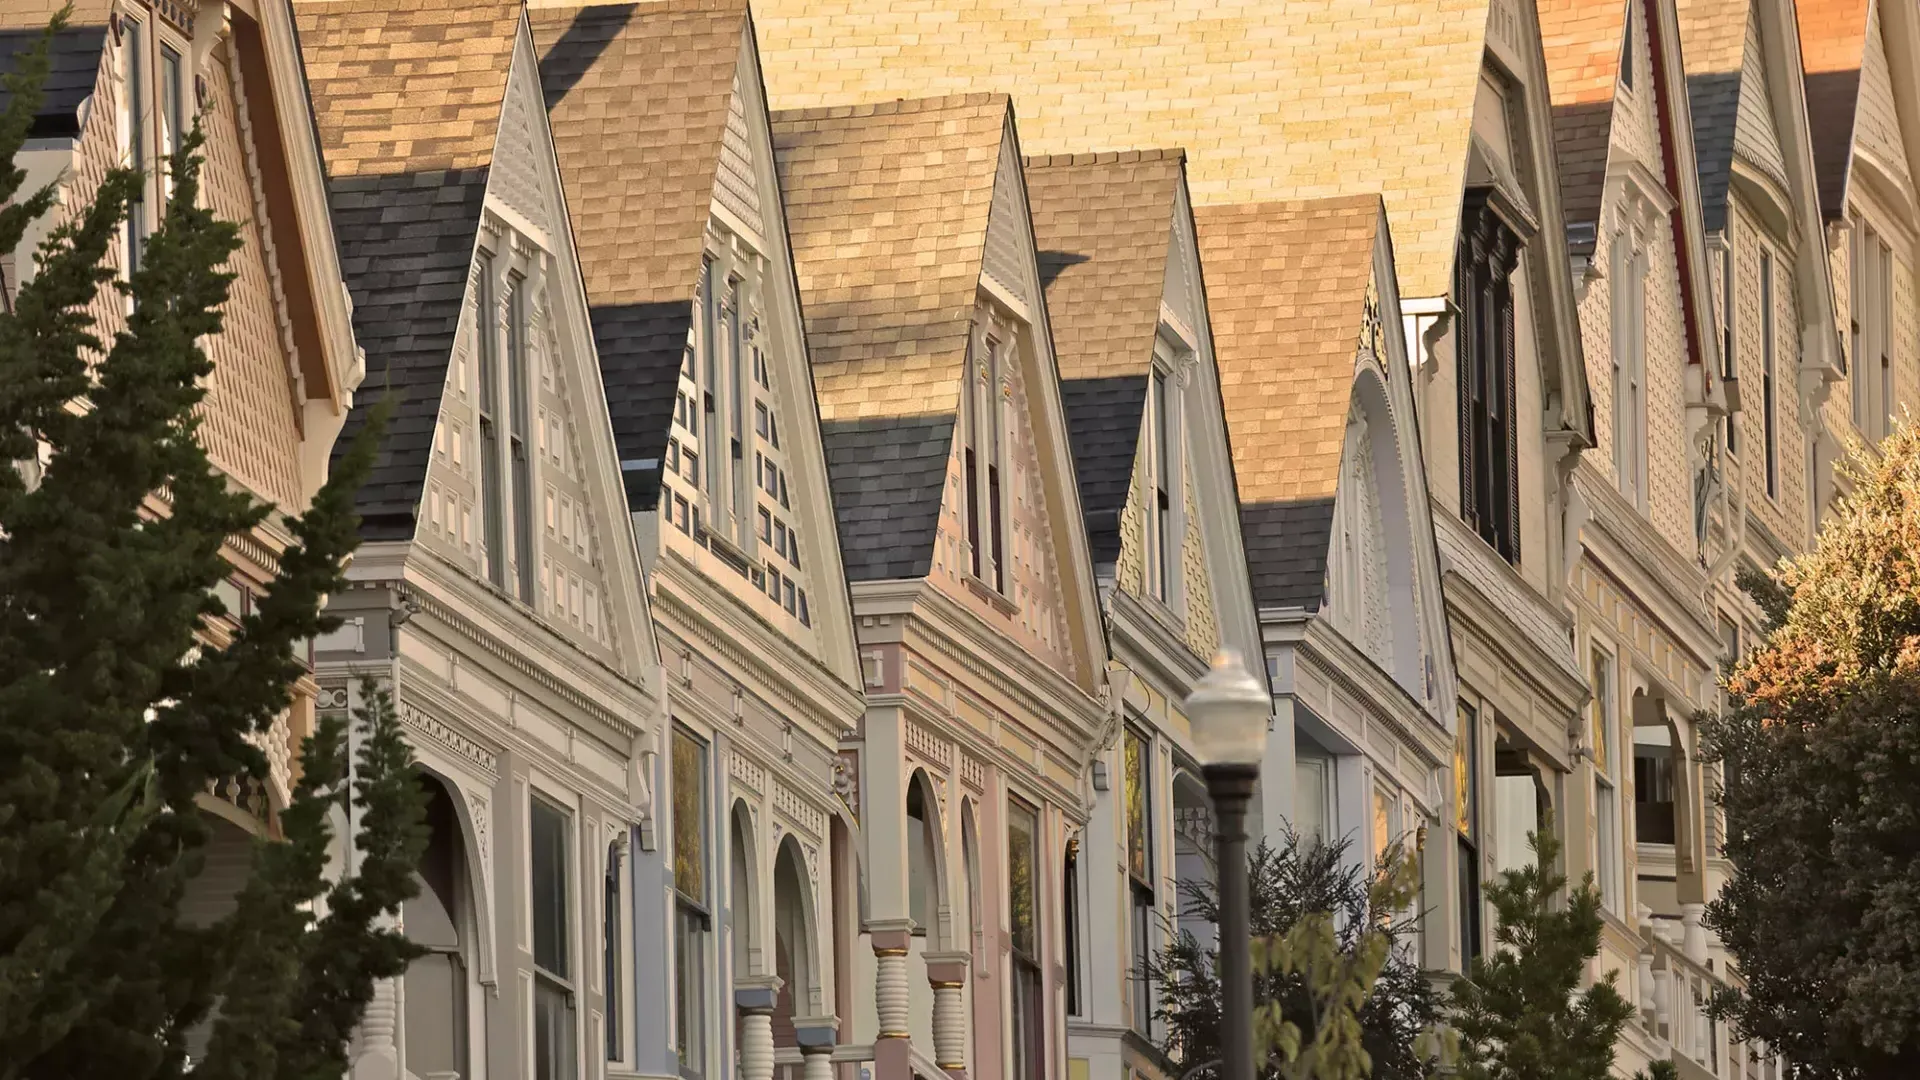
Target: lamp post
1228 710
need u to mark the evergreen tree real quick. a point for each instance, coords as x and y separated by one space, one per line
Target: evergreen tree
1820 748
1520 1012
117 709
1286 886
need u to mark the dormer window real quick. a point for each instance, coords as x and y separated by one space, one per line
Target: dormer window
983 428
504 417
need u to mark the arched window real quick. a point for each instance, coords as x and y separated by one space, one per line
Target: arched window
1358 556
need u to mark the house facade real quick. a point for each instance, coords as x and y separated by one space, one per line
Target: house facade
1142 394
128 80
497 594
746 888
985 667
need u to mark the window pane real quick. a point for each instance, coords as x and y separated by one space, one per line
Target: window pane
689 990
1022 885
1601 711
553 1055
1465 786
547 838
689 817
611 953
1382 825
1138 859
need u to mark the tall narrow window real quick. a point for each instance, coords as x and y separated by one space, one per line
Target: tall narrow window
996 443
740 486
1138 761
611 945
518 453
135 36
1629 369
1161 555
1769 422
692 916
553 1010
493 509
1626 53
1606 808
1729 366
1070 905
970 407
1466 804
1023 905
707 361
172 115
1883 312
1489 448
1859 291
1312 796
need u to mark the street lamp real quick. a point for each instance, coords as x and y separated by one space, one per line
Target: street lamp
1228 710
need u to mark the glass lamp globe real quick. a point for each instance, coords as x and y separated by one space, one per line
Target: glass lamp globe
1228 710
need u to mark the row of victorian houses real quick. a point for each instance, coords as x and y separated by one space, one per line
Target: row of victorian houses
808 501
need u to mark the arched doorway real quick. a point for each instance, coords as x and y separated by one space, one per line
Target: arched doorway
434 1036
740 898
926 884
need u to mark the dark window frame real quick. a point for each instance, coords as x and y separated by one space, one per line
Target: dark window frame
1488 254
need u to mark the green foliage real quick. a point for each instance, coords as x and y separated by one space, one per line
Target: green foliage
1287 885
1820 752
1337 969
1520 1011
118 712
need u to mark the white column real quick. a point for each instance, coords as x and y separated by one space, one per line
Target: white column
1694 941
756 1045
890 992
949 1026
379 1057
816 1063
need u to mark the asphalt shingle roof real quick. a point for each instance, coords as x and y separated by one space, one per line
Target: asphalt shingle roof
73 66
1582 40
1833 41
1103 224
1713 43
407 97
637 97
1286 294
887 208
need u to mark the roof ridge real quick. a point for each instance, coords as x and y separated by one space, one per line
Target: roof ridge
1107 157
895 107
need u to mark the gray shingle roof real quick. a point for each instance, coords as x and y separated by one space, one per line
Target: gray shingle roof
888 207
406 98
1103 224
73 67
637 97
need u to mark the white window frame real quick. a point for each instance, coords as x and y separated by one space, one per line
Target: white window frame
580 940
1628 304
994 355
1609 849
1870 296
1769 378
1164 462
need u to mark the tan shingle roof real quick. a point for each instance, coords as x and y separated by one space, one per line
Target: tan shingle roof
1286 293
1833 41
406 85
887 207
637 96
1582 39
1103 224
1271 98
406 97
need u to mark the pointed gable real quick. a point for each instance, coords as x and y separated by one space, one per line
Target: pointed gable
1104 225
639 117
890 282
1287 293
1731 100
1833 43
406 98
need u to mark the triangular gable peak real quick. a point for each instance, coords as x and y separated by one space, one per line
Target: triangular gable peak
662 127
522 423
1861 88
405 314
1011 544
1624 135
926 346
1121 270
1319 406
